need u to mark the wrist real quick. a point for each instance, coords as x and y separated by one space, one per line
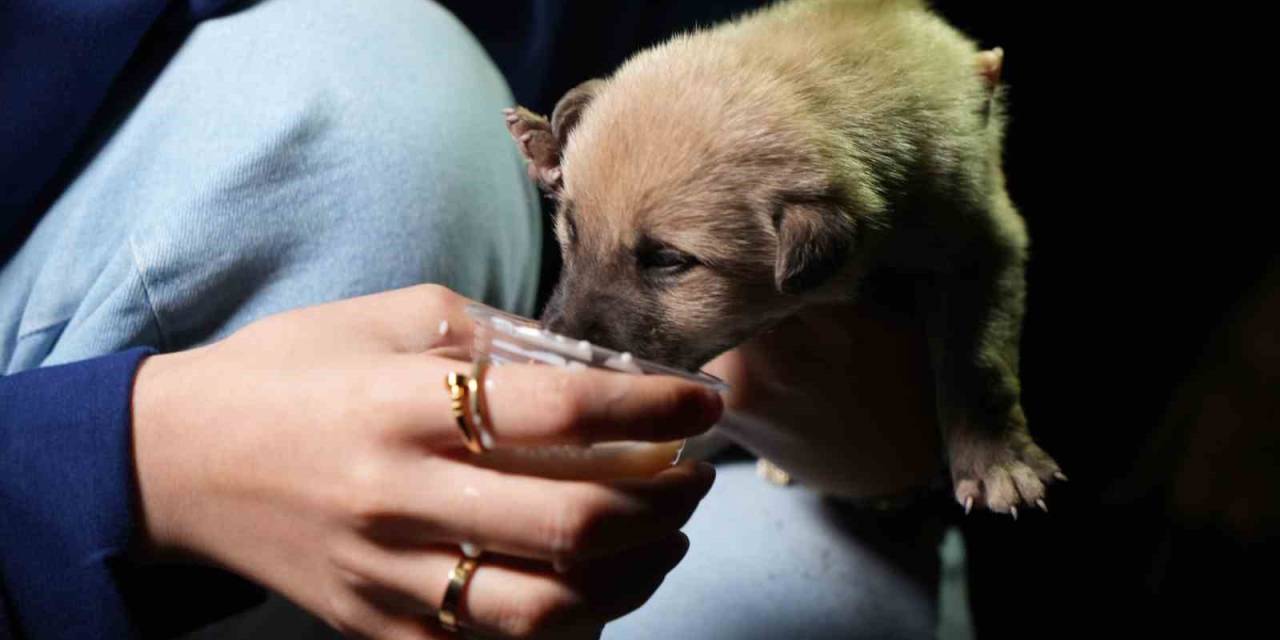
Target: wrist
163 474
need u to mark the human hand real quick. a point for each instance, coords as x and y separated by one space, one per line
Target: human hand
315 453
840 397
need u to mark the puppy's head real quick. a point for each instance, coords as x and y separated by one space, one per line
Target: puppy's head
690 220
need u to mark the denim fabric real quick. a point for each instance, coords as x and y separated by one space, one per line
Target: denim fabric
295 152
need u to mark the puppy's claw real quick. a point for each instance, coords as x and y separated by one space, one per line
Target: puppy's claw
1060 476
1013 511
526 136
968 505
1043 507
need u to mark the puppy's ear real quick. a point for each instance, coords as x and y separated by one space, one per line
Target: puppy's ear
569 109
990 65
533 136
814 240
541 141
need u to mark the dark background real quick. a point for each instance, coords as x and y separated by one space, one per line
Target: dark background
1146 267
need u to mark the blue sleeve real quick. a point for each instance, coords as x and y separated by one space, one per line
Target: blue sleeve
68 515
66 496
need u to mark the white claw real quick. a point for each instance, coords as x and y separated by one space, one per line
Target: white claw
1060 475
1013 511
526 137
1043 507
968 505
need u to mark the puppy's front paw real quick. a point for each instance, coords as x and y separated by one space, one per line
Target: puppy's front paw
538 145
1003 473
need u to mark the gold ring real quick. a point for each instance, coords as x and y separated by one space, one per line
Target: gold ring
479 408
458 579
460 387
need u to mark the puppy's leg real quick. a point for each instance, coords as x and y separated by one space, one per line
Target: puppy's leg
974 324
538 145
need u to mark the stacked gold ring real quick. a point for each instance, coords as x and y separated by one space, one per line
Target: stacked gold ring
463 395
479 411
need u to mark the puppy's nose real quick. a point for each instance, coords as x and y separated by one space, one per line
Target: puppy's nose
587 327
593 331
553 319
590 328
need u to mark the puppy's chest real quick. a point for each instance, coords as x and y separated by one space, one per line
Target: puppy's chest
894 292
904 265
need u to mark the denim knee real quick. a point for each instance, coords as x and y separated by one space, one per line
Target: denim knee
291 153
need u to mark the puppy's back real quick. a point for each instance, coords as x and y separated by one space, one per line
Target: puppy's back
879 88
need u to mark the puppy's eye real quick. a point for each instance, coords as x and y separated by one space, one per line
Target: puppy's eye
666 261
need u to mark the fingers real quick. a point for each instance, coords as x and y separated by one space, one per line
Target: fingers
410 320
509 597
541 405
621 583
526 404
549 520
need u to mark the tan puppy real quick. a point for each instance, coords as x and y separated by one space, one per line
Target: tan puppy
812 152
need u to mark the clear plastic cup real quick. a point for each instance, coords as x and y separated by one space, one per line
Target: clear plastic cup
502 338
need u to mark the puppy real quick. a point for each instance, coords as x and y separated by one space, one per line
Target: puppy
812 152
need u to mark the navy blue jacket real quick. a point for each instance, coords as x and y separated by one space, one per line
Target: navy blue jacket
67 503
68 509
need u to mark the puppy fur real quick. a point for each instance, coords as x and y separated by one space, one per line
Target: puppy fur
812 152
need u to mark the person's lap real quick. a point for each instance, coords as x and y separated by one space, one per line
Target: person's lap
782 562
299 151
294 152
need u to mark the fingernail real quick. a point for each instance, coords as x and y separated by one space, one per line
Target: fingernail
679 548
706 471
712 406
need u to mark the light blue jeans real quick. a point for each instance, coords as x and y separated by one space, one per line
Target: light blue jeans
301 151
296 152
